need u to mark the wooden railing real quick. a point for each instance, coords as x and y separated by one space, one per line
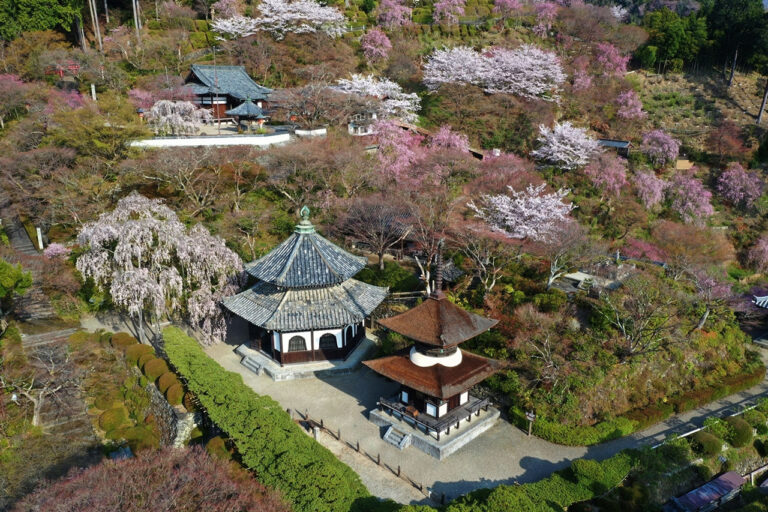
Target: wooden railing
437 425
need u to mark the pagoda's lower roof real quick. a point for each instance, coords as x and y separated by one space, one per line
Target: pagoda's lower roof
438 381
283 309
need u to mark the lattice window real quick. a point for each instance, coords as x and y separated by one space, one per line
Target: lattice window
297 344
327 341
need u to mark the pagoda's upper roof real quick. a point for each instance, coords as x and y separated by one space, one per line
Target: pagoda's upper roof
438 381
230 80
283 309
306 260
438 322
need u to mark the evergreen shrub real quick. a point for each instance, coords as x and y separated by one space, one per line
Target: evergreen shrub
105 400
122 339
154 369
718 428
705 443
741 432
113 419
175 393
145 359
166 380
217 447
134 352
105 338
754 417
140 438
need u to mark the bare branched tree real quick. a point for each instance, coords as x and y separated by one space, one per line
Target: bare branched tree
489 255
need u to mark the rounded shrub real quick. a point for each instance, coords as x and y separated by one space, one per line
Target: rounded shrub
123 339
105 400
80 338
754 418
217 447
140 438
144 359
175 393
706 444
741 432
134 352
105 338
154 369
113 419
166 380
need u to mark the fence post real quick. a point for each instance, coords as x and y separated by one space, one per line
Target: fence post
315 431
358 447
398 470
378 459
339 438
321 423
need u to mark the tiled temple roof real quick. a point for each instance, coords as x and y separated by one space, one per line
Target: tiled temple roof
283 309
232 80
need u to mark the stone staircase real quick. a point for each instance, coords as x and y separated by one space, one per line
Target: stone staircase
397 438
251 363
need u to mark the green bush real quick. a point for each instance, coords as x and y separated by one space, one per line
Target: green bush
105 399
762 405
741 432
268 441
134 352
79 338
145 359
113 419
140 438
217 447
105 338
705 443
122 340
582 435
199 40
166 380
174 394
754 418
550 301
395 276
718 428
154 368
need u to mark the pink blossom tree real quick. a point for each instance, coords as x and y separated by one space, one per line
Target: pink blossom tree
177 117
56 251
393 14
394 102
14 92
280 17
660 147
650 189
446 138
565 146
546 13
758 254
507 8
399 151
582 80
630 106
739 187
610 59
608 173
143 256
448 11
710 291
642 249
527 215
376 45
689 198
227 8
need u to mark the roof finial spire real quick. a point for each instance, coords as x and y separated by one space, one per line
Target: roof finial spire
438 291
304 226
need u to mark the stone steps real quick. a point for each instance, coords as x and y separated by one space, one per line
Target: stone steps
36 340
251 364
396 437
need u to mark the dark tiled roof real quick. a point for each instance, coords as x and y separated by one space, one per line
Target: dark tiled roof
306 260
438 381
438 322
246 109
612 143
281 309
232 80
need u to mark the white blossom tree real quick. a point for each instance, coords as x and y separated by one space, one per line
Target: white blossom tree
565 146
279 17
527 71
177 117
527 215
143 256
394 102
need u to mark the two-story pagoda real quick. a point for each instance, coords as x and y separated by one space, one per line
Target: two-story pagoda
435 375
305 306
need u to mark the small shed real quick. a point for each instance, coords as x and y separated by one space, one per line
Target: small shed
620 146
709 496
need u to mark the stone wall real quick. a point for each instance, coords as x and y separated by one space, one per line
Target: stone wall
175 423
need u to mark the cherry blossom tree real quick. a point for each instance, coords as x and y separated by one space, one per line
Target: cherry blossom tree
143 256
642 249
582 80
689 198
527 215
448 11
710 292
177 117
619 12
608 173
507 8
758 254
609 58
56 251
739 187
279 17
457 65
227 8
376 45
393 13
660 147
630 106
650 189
546 12
399 151
14 91
565 146
394 102
446 138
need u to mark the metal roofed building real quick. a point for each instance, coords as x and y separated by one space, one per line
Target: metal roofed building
621 146
222 88
306 306
709 496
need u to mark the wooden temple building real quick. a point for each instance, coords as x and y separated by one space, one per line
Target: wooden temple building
222 88
434 374
305 305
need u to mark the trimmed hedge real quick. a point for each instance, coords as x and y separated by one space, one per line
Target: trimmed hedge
134 352
175 393
113 419
145 359
706 443
166 380
582 435
122 340
269 443
155 368
754 418
741 432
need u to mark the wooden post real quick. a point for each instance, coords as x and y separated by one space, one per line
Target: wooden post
398 471
378 459
339 436
290 412
321 423
358 447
